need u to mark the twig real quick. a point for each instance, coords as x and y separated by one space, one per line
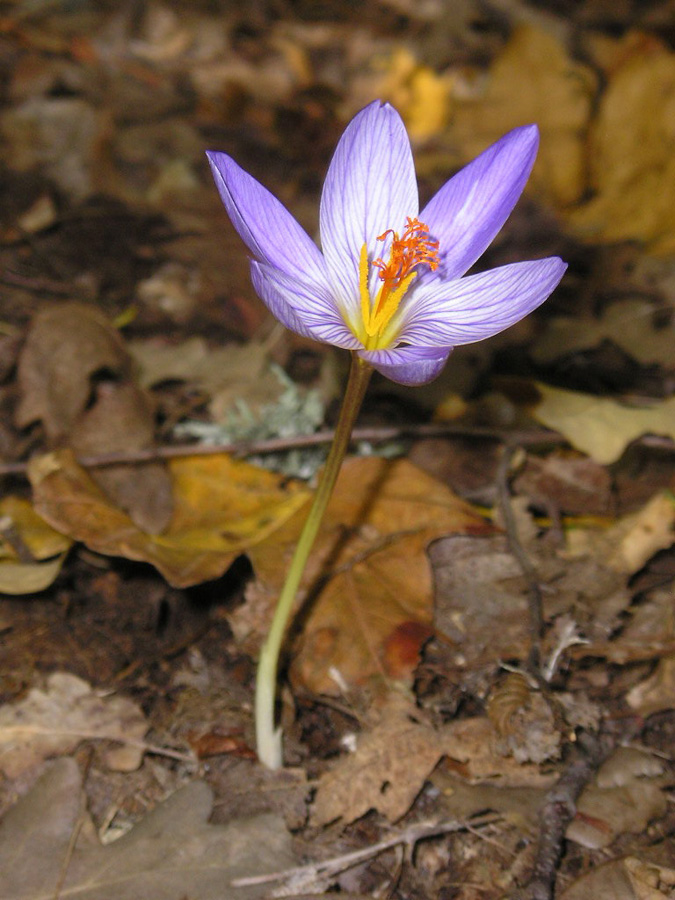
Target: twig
277 445
330 867
378 435
154 749
558 811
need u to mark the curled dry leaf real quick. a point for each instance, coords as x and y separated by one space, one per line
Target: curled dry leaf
633 540
221 508
626 795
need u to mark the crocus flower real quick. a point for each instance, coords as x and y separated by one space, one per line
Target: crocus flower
389 281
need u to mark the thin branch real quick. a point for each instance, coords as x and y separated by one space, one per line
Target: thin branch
558 811
336 864
319 438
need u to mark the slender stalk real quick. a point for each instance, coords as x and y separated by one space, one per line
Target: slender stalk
268 737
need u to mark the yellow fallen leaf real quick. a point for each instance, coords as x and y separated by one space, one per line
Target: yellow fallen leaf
221 507
47 547
40 538
599 426
632 169
534 79
28 578
422 96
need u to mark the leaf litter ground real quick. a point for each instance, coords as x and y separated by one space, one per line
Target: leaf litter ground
412 703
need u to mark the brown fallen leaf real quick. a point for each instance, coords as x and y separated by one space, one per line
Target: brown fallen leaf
396 756
221 508
633 540
368 576
122 419
628 878
75 376
171 854
56 719
65 347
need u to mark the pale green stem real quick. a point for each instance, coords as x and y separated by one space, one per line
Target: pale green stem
268 737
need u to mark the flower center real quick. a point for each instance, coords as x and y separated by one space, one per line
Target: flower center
414 248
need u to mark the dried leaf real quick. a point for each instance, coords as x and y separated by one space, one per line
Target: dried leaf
630 324
31 551
534 79
28 578
56 719
66 345
372 608
656 693
603 814
221 508
387 770
173 853
393 760
600 427
40 539
633 169
634 539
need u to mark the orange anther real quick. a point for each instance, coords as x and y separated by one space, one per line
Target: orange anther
414 248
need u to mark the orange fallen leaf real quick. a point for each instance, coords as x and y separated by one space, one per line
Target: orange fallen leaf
368 580
221 507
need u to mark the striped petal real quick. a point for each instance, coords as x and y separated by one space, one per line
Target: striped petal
471 208
264 224
305 308
408 365
441 314
370 187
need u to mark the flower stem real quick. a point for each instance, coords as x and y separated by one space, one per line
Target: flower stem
268 737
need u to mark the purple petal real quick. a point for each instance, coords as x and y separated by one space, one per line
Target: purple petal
470 209
264 224
478 306
307 309
408 365
370 187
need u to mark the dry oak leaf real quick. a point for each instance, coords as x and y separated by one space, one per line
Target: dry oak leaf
394 759
56 719
221 508
49 849
368 577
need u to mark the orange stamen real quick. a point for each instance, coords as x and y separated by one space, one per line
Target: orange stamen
414 248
